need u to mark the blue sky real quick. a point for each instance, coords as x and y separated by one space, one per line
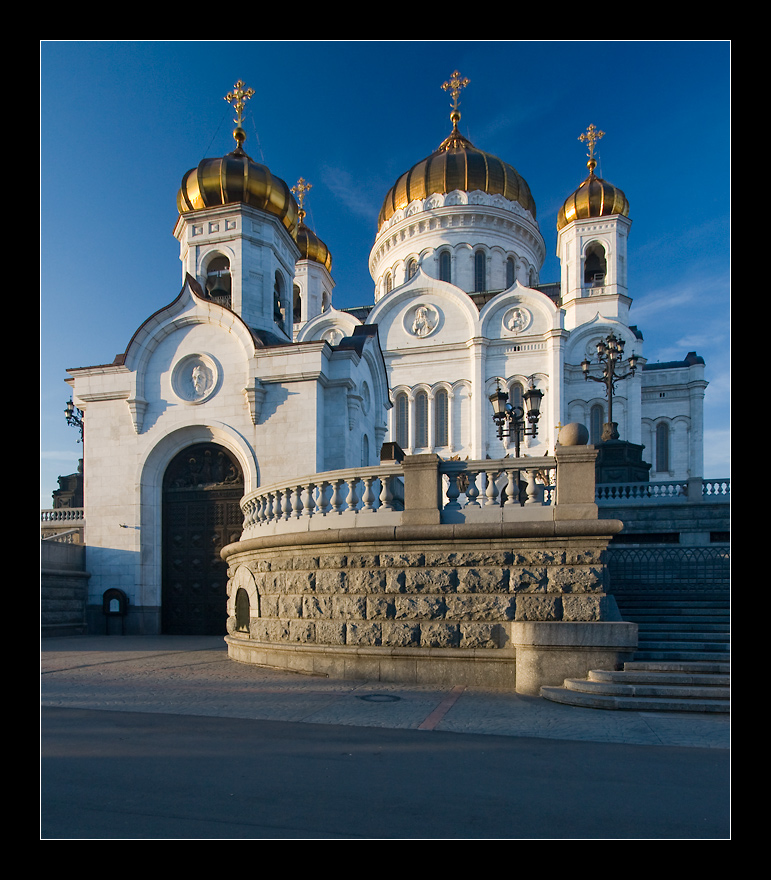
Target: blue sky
121 122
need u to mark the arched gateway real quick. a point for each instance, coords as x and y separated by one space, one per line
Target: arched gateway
202 488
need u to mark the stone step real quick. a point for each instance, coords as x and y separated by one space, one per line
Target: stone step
637 704
689 656
681 626
703 667
676 644
654 676
647 689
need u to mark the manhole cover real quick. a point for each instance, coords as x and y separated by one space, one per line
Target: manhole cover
379 698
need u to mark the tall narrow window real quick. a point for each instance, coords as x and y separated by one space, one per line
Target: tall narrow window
596 420
510 271
401 416
662 447
515 396
480 272
364 451
278 299
412 268
421 419
297 305
388 283
445 266
441 425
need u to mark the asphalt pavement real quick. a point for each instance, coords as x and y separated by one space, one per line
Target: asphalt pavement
165 737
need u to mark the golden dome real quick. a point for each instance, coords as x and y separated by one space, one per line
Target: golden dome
312 247
594 198
238 178
457 164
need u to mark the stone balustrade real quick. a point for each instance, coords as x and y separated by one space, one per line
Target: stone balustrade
466 491
665 491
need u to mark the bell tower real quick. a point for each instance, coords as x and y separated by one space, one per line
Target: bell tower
592 234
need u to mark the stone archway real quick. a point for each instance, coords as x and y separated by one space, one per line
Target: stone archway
202 488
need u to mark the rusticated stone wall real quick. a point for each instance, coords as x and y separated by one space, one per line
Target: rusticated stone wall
409 598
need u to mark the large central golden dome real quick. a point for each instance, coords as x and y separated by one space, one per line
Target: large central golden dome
457 165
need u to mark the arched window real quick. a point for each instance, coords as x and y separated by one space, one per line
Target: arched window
412 268
480 272
297 305
402 418
662 447
388 283
218 280
242 610
441 423
421 420
596 421
595 265
278 299
511 271
364 451
445 266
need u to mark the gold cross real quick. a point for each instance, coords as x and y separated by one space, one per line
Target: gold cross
593 134
300 189
238 99
454 85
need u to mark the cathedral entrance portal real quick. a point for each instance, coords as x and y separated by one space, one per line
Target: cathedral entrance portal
202 488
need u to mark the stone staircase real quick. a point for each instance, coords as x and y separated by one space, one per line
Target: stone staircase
682 663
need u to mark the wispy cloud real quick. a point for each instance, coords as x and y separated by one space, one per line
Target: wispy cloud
360 199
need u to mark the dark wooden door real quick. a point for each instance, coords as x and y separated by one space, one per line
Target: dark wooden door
202 489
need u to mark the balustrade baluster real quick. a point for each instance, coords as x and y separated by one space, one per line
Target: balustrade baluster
472 491
491 492
353 493
368 498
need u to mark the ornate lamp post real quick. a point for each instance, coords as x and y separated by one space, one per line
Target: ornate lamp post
74 417
610 353
512 421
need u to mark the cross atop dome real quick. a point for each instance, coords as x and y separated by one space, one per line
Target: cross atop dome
591 136
238 98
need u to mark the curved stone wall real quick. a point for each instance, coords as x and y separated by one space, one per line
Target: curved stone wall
436 603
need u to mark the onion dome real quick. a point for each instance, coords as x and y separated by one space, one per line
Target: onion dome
311 246
238 178
457 165
595 197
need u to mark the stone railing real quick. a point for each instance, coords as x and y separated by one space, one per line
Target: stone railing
418 489
664 492
61 515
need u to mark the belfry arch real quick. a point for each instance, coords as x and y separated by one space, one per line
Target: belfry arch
202 487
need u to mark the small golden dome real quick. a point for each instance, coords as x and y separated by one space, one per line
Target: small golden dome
237 178
312 247
594 198
457 164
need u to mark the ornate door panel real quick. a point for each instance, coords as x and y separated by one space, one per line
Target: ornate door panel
202 489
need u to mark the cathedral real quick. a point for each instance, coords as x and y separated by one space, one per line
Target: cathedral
250 374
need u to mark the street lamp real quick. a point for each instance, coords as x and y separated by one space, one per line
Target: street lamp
74 417
610 353
511 420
